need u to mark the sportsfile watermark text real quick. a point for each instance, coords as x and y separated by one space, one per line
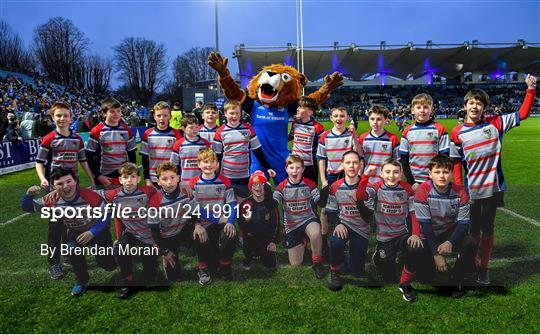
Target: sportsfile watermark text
186 211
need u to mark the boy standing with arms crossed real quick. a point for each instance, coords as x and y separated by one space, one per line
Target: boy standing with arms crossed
422 141
157 143
61 148
476 145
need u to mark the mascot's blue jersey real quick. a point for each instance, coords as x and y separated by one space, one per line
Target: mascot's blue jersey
271 126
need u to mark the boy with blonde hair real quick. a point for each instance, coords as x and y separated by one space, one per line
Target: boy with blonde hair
422 141
233 143
157 142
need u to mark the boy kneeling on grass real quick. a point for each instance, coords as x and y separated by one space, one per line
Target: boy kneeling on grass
258 221
442 209
82 231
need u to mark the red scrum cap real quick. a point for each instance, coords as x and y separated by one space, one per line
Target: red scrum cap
257 177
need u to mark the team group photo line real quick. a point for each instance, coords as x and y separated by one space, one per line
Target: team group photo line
210 186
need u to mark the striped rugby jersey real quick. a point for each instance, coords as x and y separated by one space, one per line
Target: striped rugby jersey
342 201
479 146
377 149
59 151
158 146
215 192
112 143
298 202
207 133
421 142
185 153
84 198
305 137
235 144
391 206
442 210
332 147
174 212
134 224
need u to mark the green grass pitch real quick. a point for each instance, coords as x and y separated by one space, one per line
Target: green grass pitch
290 300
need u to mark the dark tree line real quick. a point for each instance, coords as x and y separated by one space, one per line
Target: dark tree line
60 52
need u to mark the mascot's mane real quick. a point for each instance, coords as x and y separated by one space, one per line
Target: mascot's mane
289 91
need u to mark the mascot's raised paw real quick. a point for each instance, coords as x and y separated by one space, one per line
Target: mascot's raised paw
333 81
218 63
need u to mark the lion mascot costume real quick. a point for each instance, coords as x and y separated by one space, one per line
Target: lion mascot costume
271 99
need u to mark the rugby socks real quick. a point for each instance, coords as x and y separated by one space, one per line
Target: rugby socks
478 240
406 276
485 250
316 259
201 265
325 246
335 268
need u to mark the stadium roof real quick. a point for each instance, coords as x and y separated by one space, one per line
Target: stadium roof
358 63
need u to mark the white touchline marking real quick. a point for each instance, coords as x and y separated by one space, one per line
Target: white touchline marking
14 219
519 216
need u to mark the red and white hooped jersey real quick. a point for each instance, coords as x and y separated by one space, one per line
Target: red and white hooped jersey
59 151
377 149
235 144
421 142
479 146
185 154
332 146
114 143
305 137
158 146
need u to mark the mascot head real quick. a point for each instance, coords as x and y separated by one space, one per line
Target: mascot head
277 84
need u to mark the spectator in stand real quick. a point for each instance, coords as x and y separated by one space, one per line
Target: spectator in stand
12 131
197 111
